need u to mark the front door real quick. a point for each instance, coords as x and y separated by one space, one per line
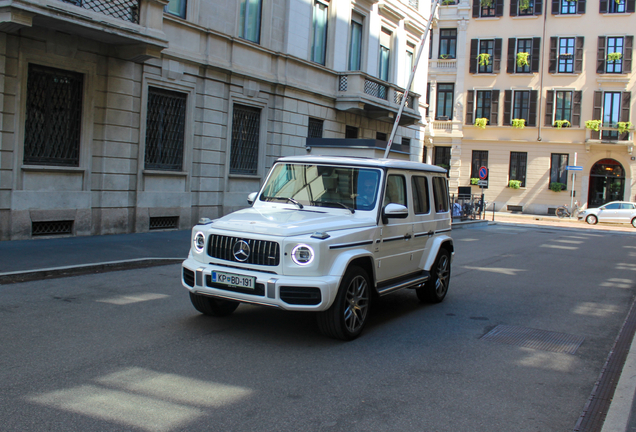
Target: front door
607 183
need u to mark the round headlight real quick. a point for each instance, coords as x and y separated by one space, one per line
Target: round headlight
302 254
199 242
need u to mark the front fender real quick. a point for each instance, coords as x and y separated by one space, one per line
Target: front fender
435 247
344 259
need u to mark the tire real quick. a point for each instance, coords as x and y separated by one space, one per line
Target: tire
560 212
634 222
212 306
591 219
348 314
436 287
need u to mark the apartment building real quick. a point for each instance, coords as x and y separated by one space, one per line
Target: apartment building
133 115
512 86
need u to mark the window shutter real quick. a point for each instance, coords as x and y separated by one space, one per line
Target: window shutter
474 46
512 48
625 102
554 42
603 6
470 103
536 54
513 8
499 7
578 54
532 121
538 7
631 6
576 108
600 55
597 111
496 66
476 8
628 48
556 7
494 108
580 7
549 107
507 107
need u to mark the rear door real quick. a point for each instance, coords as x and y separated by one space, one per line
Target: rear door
424 223
624 215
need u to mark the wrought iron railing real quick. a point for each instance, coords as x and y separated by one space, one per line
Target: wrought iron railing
375 89
127 10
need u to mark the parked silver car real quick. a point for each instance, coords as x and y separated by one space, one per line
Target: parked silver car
615 211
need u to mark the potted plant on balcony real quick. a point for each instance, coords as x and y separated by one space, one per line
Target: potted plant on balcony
474 181
560 123
613 57
486 3
557 187
623 126
484 59
594 125
481 122
519 123
514 184
524 5
522 59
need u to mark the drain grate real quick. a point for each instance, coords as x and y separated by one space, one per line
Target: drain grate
51 228
164 222
536 339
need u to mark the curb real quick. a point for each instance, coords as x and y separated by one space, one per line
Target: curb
76 270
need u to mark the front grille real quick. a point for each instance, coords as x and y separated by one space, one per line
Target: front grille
262 252
300 295
258 290
51 228
188 277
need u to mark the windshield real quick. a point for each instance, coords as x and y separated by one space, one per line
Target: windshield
323 186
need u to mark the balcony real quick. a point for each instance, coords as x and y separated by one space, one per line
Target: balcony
133 27
445 128
615 138
442 66
360 93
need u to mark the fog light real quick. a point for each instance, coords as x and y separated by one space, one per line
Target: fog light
302 254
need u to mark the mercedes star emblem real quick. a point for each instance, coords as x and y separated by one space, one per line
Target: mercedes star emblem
241 250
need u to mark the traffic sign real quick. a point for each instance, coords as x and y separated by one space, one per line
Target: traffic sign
483 173
574 168
482 183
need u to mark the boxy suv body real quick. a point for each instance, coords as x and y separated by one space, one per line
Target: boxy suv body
327 235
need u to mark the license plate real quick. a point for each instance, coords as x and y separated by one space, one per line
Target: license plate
234 280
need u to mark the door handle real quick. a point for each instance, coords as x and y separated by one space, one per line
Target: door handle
407 236
430 233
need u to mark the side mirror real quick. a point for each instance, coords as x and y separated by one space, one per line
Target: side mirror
394 211
251 198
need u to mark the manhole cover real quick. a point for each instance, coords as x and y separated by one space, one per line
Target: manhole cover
535 339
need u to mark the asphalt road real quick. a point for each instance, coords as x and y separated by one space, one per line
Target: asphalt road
125 351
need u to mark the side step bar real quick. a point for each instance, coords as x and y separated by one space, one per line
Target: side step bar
411 283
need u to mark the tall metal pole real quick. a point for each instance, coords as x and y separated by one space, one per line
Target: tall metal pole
408 85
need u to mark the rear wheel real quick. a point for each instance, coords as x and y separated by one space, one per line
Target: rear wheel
634 222
560 212
591 219
347 316
213 306
436 287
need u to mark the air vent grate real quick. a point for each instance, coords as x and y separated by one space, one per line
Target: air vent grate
164 222
51 228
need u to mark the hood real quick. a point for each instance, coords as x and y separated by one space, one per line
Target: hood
287 221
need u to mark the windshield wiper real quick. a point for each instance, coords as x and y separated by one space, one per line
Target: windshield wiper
332 204
286 199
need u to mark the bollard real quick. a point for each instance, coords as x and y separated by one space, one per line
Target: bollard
493 211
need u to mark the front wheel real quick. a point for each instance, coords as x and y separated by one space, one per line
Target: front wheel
561 212
213 306
634 222
347 316
436 287
591 219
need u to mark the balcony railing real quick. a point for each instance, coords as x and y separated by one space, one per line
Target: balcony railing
127 10
444 65
615 136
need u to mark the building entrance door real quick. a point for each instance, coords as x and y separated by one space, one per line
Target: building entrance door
607 183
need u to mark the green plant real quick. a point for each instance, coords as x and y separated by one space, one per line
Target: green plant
615 56
448 2
522 59
560 123
514 184
524 5
443 56
557 187
618 2
474 181
481 122
519 123
593 125
445 166
623 126
484 59
486 3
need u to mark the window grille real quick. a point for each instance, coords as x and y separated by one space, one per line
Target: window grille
315 128
375 89
343 83
51 228
165 129
163 222
127 10
53 116
245 136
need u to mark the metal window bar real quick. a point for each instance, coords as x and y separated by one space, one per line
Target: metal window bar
375 89
245 137
53 116
127 10
315 128
165 129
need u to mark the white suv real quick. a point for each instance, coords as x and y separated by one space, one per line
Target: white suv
327 235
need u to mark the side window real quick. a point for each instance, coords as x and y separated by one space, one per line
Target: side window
395 190
614 206
420 194
626 206
440 194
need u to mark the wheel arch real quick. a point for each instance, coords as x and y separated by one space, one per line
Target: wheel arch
441 242
363 259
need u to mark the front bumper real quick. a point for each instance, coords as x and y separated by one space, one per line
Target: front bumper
286 292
